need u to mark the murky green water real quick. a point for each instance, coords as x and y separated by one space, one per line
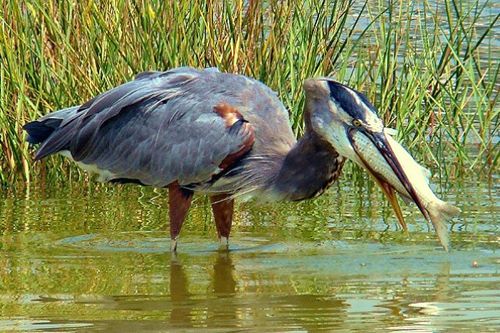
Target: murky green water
97 259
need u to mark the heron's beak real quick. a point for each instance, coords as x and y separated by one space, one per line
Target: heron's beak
382 145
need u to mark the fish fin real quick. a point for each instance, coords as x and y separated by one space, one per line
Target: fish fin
407 200
440 212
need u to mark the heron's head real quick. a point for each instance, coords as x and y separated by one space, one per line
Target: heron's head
348 121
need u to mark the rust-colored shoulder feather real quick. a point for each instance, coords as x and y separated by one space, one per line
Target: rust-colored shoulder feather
235 123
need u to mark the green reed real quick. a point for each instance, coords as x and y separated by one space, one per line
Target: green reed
431 70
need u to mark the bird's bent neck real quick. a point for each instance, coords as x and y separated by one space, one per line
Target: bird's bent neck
310 167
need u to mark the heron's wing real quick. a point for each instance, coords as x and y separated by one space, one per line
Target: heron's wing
155 129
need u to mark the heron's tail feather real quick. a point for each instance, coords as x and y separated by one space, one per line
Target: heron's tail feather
40 130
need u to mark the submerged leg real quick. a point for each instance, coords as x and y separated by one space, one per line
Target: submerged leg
179 201
222 206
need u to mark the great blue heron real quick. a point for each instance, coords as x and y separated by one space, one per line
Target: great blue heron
222 134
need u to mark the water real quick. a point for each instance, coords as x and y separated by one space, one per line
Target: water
96 258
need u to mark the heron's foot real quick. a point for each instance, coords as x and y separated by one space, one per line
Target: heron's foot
173 245
223 243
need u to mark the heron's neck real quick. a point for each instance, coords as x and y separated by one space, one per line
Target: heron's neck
310 167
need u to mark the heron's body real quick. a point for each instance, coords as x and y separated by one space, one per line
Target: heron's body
190 130
222 134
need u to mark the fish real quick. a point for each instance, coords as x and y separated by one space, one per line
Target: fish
435 210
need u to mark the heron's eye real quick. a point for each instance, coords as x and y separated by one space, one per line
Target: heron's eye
356 123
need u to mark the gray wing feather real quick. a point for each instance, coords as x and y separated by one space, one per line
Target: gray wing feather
159 128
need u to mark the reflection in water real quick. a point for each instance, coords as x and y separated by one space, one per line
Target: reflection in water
416 313
111 283
224 286
223 278
225 307
224 289
179 294
99 260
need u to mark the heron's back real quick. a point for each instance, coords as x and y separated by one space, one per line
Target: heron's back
202 128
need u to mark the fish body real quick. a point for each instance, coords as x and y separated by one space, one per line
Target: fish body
434 209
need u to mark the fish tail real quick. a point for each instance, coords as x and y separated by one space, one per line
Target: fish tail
440 212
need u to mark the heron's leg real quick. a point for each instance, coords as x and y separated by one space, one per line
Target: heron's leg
179 201
222 206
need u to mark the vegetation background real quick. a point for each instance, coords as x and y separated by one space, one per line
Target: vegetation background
432 70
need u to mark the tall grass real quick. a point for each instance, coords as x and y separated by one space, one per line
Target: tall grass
431 69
